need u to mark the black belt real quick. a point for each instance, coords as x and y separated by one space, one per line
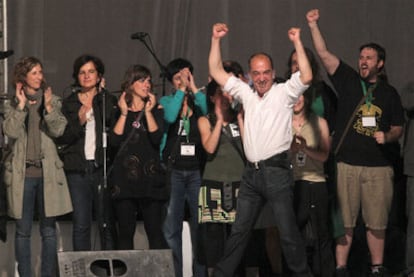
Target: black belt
278 160
91 166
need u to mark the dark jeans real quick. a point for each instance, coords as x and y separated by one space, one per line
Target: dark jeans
33 188
87 199
153 214
272 183
185 187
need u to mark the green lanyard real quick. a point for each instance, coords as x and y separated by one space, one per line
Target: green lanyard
368 92
186 125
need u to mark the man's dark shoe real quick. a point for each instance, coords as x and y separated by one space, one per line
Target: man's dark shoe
341 272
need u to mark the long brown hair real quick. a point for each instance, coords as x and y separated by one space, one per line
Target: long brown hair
133 74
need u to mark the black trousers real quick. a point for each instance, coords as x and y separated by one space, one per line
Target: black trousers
311 204
153 214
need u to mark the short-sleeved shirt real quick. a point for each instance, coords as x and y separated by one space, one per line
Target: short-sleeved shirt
359 146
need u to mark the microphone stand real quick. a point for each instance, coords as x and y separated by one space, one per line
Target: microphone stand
105 224
163 70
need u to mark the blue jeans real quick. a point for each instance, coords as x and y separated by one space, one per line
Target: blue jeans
410 228
33 188
275 185
185 187
86 199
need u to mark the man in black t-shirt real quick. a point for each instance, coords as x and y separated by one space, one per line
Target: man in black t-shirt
365 173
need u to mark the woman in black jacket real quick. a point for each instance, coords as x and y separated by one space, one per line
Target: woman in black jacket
83 150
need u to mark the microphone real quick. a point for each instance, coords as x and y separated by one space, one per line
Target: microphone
6 54
139 35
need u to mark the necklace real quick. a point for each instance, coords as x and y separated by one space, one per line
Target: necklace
298 123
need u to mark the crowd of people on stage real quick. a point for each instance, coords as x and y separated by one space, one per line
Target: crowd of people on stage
279 170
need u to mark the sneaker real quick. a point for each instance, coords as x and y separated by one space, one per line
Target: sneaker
378 271
341 272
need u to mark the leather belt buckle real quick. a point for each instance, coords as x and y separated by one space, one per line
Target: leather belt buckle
36 163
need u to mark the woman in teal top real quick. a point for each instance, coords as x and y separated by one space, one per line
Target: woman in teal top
183 148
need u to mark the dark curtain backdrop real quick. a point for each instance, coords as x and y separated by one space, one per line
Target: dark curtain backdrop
59 31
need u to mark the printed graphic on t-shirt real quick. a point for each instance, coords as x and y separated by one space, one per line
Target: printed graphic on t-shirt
368 118
235 132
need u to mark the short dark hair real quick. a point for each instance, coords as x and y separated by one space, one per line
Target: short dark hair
378 48
211 88
233 67
260 54
175 66
84 59
381 57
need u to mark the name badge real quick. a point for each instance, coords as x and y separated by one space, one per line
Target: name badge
235 131
369 121
187 149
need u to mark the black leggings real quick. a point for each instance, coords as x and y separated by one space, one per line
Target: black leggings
312 214
153 213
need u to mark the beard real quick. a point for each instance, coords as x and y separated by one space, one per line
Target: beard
367 74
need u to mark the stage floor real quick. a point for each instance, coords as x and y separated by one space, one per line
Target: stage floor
7 262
